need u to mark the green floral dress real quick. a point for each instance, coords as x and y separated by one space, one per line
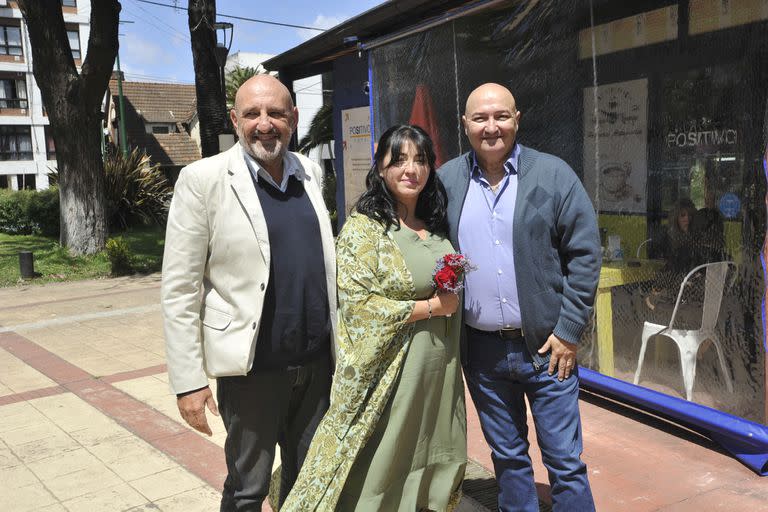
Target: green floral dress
394 437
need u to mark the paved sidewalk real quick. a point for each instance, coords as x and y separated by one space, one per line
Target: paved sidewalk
87 423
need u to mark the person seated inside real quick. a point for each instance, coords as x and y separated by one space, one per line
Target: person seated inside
680 252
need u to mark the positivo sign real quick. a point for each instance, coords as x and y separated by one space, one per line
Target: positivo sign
696 138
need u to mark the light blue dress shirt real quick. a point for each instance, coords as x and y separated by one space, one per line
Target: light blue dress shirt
485 237
290 165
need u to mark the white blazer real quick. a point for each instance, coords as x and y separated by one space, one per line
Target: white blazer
216 267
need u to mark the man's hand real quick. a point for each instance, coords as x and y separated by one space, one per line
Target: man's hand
192 409
563 356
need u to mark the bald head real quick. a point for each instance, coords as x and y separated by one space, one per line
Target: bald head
490 121
490 93
260 85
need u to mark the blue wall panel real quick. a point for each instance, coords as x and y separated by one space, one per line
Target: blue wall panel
350 74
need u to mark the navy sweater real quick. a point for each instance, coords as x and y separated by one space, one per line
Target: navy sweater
295 326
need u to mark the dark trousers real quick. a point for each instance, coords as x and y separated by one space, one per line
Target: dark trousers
500 374
260 410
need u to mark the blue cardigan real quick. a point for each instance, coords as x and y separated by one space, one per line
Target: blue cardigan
556 244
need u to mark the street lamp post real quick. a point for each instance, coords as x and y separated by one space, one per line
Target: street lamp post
224 31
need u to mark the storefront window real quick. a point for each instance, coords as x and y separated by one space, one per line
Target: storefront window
662 114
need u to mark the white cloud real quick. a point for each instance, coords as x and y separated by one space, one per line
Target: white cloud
321 21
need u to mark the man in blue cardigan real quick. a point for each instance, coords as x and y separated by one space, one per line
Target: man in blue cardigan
524 218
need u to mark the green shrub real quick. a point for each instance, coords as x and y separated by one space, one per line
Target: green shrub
30 212
119 255
137 192
45 209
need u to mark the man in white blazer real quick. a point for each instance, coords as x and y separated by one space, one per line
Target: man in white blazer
249 294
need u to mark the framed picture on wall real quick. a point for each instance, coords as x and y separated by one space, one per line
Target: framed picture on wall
616 145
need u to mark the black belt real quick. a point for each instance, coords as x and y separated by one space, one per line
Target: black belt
505 334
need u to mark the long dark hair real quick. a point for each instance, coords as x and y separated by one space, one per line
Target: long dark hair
683 205
377 202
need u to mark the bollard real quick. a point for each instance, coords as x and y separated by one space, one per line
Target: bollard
27 264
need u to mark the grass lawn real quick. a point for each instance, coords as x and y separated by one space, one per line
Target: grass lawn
54 263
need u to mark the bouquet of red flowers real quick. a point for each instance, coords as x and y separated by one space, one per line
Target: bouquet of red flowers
450 271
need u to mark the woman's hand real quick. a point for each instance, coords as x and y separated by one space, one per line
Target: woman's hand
440 304
444 304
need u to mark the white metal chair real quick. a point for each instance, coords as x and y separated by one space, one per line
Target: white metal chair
640 247
688 340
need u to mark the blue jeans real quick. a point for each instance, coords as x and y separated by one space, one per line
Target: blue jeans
500 372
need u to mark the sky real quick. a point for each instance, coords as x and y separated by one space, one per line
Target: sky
156 46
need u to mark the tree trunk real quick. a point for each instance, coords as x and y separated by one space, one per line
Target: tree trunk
82 202
73 102
211 102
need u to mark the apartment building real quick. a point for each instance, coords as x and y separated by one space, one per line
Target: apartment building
27 152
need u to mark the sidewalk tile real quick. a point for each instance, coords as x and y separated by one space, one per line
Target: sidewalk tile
202 499
90 479
62 464
7 458
16 416
71 414
30 498
18 377
99 365
132 459
39 442
15 477
117 498
167 483
140 359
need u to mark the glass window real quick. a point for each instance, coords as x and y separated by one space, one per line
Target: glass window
26 181
50 145
13 93
74 43
160 129
69 3
15 143
10 40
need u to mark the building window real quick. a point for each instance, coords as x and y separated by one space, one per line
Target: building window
50 146
69 3
26 181
13 93
74 43
160 128
15 143
10 40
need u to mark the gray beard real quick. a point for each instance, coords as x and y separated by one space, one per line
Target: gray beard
261 154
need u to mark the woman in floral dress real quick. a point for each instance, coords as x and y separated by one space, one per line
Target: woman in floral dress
394 437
